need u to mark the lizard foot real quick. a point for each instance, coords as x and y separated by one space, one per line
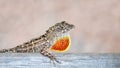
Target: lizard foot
53 59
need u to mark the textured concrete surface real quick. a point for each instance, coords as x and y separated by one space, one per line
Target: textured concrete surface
68 61
97 22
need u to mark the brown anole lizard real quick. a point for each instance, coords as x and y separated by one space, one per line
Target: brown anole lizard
56 38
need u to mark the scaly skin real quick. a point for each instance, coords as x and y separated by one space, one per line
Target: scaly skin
45 42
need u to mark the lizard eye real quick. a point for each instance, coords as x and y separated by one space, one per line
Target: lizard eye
61 27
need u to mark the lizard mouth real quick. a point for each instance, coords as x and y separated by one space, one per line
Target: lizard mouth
62 44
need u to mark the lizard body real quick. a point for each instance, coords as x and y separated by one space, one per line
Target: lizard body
46 41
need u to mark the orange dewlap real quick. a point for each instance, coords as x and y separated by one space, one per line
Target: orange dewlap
62 44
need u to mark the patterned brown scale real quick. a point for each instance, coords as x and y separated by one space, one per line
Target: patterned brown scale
43 43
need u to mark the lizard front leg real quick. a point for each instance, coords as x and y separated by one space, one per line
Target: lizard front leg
49 55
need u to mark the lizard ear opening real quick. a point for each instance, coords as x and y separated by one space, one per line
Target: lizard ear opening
62 44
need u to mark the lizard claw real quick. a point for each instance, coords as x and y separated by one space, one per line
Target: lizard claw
53 59
57 60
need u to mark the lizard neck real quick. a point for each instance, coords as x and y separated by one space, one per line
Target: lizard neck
52 38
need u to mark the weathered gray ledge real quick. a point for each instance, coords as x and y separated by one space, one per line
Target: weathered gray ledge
24 60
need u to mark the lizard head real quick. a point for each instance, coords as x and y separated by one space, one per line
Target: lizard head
60 28
63 27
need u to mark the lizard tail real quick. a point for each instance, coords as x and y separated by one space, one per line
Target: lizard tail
4 51
7 50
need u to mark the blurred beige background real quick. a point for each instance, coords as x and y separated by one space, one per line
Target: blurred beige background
97 22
